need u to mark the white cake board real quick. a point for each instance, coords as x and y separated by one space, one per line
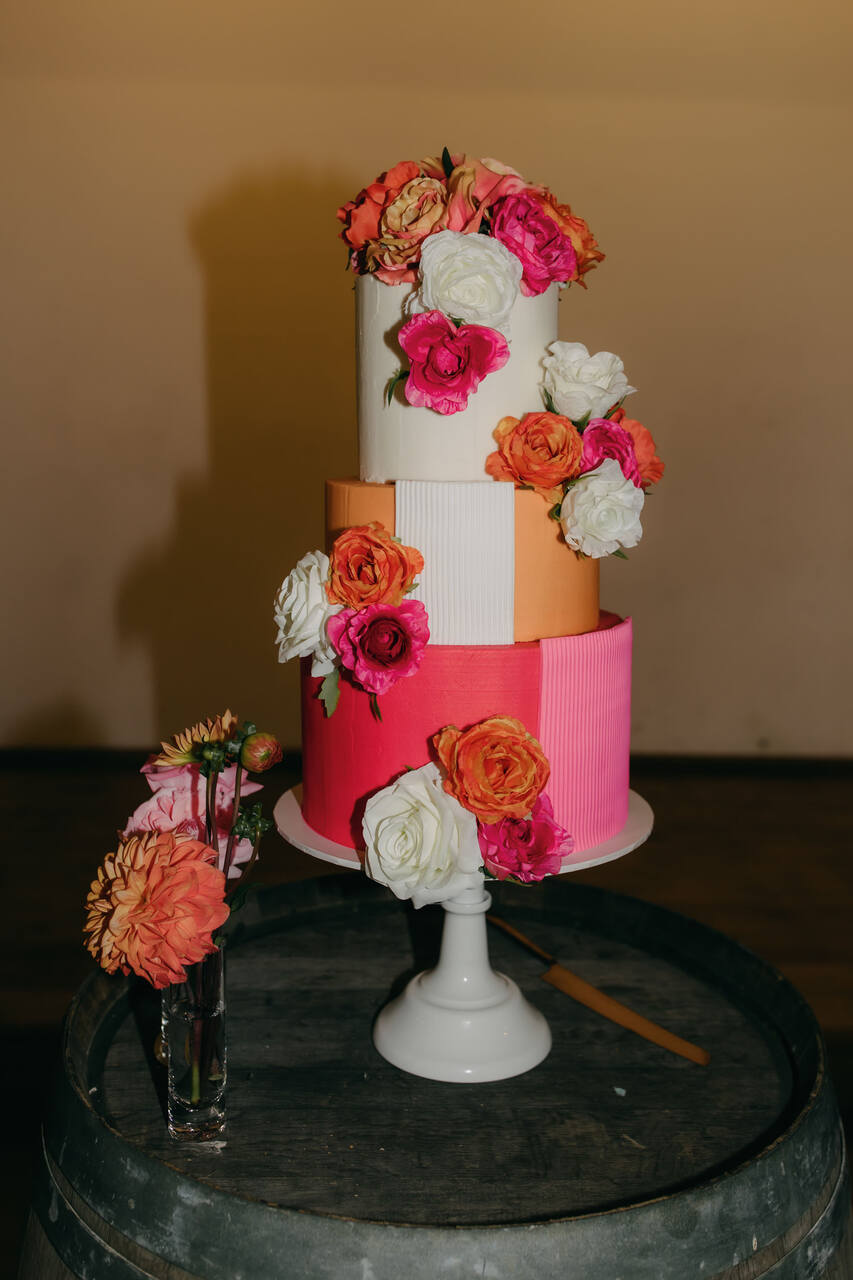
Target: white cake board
461 1022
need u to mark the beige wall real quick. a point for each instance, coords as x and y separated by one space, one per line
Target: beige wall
177 338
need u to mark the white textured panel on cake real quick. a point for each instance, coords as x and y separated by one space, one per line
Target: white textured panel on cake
585 729
466 534
401 442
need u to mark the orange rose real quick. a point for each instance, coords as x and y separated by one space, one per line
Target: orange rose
651 467
361 216
540 450
495 769
583 241
367 566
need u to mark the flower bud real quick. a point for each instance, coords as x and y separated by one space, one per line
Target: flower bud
260 752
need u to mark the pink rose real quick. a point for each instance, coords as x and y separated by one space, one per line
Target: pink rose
525 849
545 253
602 439
473 187
380 643
446 363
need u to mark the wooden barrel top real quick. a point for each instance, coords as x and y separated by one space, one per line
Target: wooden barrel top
326 1138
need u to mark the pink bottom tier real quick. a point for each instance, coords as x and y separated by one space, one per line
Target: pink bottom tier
573 693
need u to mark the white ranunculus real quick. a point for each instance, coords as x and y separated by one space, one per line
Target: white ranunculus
420 842
472 278
601 511
581 385
302 609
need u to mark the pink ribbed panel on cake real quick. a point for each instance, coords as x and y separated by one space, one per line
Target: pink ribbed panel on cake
585 729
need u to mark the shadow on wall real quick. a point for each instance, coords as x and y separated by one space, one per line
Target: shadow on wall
281 413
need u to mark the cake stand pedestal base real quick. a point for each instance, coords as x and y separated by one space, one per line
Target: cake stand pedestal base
461 1022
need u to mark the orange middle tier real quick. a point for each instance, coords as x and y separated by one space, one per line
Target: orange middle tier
556 591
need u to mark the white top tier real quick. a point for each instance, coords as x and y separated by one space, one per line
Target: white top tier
401 442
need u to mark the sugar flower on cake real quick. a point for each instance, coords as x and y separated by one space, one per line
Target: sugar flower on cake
587 252
540 451
447 362
650 466
302 610
474 279
546 255
154 906
525 849
473 187
419 840
496 769
381 643
603 438
369 566
582 386
600 513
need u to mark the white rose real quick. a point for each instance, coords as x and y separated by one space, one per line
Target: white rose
302 609
583 386
420 842
472 278
601 511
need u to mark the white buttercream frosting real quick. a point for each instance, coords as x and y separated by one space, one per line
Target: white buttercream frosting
401 442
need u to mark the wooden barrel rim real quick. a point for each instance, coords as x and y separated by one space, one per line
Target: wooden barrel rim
74 1126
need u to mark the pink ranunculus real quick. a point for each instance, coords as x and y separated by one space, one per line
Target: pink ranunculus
545 253
178 804
381 643
603 438
447 363
525 849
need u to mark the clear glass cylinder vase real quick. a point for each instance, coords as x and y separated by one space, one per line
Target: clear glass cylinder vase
193 1035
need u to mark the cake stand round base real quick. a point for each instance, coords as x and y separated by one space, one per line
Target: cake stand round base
461 1022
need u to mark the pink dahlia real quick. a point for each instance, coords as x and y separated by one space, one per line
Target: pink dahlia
545 253
448 362
154 907
603 438
381 643
525 849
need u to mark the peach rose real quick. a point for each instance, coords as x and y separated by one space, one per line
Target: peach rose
650 465
417 211
362 215
495 769
473 186
367 566
583 241
540 451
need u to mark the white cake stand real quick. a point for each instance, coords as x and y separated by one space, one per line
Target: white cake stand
461 1022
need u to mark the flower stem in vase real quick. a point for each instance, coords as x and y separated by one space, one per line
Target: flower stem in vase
194 1023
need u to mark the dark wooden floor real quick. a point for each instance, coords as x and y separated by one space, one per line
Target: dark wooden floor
760 850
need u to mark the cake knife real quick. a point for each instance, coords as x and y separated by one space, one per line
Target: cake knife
564 980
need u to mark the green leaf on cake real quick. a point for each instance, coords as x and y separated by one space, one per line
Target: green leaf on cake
400 376
330 691
446 163
374 707
554 512
620 553
580 423
549 403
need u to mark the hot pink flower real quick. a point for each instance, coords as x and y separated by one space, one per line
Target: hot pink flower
602 439
525 849
448 363
546 255
380 643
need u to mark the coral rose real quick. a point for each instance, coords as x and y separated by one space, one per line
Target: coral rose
525 849
154 907
540 451
604 438
587 252
448 362
367 566
546 255
381 643
496 769
651 466
419 210
361 216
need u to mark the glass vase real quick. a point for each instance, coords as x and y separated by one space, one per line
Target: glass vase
193 1034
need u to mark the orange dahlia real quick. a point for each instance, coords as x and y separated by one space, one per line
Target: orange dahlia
186 747
154 906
